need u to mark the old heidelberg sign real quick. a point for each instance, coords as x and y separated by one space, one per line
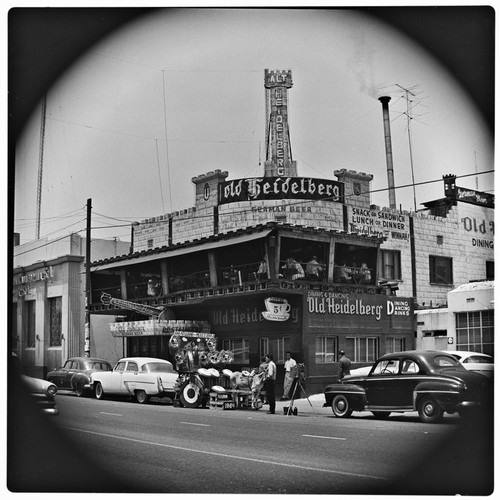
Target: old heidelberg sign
276 188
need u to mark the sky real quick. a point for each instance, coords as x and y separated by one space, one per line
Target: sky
180 92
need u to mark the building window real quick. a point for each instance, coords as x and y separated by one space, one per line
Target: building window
395 344
29 321
239 348
326 347
440 270
362 349
389 264
475 331
150 243
490 270
276 346
55 318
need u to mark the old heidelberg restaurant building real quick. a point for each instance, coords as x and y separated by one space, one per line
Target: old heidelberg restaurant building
286 263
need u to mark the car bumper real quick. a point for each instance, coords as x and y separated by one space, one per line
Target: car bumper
50 411
469 404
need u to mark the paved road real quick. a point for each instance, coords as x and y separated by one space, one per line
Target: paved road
124 446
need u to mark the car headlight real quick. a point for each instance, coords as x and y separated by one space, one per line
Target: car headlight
51 390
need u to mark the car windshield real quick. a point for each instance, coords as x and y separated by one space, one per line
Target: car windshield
157 367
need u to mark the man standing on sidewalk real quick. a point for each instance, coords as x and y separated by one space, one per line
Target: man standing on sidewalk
345 365
290 375
270 382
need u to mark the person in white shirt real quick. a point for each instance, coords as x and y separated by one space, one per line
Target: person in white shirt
290 375
270 383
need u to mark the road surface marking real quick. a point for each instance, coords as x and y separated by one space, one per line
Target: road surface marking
113 414
322 437
194 423
225 455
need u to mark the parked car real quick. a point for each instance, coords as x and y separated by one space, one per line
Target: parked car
138 377
475 361
430 382
75 373
43 393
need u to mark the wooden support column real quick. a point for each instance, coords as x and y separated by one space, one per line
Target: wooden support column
123 282
331 260
212 268
164 277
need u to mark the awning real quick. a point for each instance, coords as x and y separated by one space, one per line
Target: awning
167 254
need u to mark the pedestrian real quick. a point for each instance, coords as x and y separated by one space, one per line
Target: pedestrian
313 269
290 375
263 365
270 382
262 271
345 365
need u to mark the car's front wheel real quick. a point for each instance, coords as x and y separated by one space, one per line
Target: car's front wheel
429 410
99 393
340 406
141 396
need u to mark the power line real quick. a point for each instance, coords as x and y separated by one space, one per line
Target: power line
299 202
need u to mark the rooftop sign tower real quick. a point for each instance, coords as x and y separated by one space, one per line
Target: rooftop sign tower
279 161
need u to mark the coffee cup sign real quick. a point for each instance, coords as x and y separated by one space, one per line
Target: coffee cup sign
278 309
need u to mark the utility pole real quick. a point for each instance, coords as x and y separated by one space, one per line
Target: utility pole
408 120
87 280
40 167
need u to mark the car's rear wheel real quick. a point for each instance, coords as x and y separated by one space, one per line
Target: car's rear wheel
429 410
141 396
99 393
381 415
340 406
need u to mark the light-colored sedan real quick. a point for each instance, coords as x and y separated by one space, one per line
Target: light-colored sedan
138 377
475 361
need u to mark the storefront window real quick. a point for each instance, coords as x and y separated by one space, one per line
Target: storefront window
239 348
55 318
475 331
326 347
362 349
276 346
29 320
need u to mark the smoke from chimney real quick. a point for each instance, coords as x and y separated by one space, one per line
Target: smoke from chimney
388 150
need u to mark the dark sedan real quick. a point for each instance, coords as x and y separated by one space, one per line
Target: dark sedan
429 382
75 373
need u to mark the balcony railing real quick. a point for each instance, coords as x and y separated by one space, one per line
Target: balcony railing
240 275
